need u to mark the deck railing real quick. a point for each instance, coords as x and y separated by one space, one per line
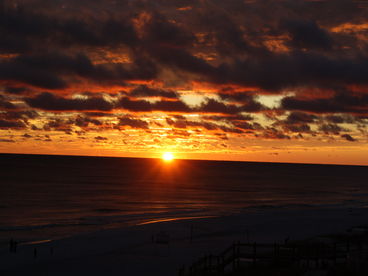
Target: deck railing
303 254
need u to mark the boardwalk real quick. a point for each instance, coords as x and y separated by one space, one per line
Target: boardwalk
306 255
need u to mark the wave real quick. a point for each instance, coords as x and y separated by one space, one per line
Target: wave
360 194
107 210
42 226
278 206
105 220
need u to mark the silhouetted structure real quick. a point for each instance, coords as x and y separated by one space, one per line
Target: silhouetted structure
301 255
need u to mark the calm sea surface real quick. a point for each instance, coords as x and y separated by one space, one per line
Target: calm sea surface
45 197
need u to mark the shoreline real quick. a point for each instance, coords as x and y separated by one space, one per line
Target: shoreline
132 249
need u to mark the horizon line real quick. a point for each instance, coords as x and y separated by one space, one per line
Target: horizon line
183 159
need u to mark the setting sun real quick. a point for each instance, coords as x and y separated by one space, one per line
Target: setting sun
168 156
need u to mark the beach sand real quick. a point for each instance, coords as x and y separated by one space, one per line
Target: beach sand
132 250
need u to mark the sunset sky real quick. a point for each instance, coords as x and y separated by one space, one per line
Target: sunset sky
252 80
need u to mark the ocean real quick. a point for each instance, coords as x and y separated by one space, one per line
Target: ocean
46 197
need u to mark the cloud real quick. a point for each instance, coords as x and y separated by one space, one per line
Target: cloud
342 102
348 138
5 104
132 122
19 114
228 54
337 119
101 138
300 117
48 101
17 71
7 141
55 70
307 34
4 124
273 133
31 24
15 90
214 106
83 121
330 128
145 91
298 128
146 106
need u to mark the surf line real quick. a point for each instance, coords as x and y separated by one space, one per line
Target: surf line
35 242
172 219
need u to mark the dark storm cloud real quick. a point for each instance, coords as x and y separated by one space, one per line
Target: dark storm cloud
83 121
223 31
48 101
330 128
19 114
348 137
245 98
214 106
59 125
145 91
307 35
297 122
15 90
50 70
160 31
4 124
300 117
344 102
183 123
335 119
101 138
248 126
173 44
275 72
209 106
273 133
229 117
298 128
23 27
18 71
179 58
237 96
146 106
11 45
132 122
16 119
5 104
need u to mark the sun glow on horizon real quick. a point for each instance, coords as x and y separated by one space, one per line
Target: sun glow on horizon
168 156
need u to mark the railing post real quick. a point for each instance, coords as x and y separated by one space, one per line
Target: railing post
223 265
317 256
210 262
238 254
254 253
234 256
275 252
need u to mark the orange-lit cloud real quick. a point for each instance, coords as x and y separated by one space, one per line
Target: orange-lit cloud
211 79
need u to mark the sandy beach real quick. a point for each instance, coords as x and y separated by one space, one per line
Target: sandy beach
132 250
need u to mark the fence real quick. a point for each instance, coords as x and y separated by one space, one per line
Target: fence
303 254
